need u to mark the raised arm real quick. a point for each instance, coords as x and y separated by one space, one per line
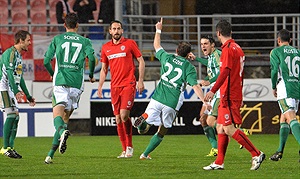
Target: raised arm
156 43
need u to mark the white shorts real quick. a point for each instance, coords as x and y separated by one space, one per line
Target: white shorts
281 90
8 102
215 102
160 114
180 101
67 96
288 104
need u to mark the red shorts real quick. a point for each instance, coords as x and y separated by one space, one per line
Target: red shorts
122 98
229 114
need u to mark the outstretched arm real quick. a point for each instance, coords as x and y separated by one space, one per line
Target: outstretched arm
156 42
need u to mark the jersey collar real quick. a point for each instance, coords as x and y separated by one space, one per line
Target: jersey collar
227 42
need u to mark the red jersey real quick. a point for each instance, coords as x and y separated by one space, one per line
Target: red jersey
120 58
232 57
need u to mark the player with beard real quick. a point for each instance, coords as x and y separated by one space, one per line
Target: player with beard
118 54
13 88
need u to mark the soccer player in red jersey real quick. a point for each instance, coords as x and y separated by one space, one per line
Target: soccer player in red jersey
118 54
230 83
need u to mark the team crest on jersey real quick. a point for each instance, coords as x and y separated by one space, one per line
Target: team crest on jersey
19 69
129 103
226 116
122 47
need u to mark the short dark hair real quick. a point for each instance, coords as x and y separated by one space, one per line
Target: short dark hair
224 27
21 35
71 20
210 38
284 35
184 48
115 21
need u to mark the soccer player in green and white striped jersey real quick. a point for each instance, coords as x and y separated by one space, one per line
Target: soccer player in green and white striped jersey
13 88
212 62
285 70
70 50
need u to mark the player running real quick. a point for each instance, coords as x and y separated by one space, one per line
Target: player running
176 72
71 50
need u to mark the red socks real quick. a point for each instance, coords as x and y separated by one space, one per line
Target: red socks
222 147
128 130
121 134
242 139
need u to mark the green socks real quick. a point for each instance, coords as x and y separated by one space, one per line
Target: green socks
283 135
154 142
14 132
210 134
55 144
143 126
295 127
59 124
7 129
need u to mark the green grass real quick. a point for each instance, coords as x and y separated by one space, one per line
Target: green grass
178 156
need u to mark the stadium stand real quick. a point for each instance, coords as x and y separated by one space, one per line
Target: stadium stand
19 14
18 5
19 19
38 5
4 5
38 18
52 15
52 9
3 15
38 15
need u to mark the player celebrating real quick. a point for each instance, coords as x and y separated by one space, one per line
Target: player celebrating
118 54
70 50
176 71
208 118
230 83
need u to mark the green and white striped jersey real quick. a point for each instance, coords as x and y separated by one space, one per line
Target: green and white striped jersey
213 65
11 64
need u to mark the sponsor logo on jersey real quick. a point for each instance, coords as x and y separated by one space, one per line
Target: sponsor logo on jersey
117 55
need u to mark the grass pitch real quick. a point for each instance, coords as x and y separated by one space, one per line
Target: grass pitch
178 156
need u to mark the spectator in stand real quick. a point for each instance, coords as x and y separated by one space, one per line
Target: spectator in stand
106 11
62 9
106 14
84 9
